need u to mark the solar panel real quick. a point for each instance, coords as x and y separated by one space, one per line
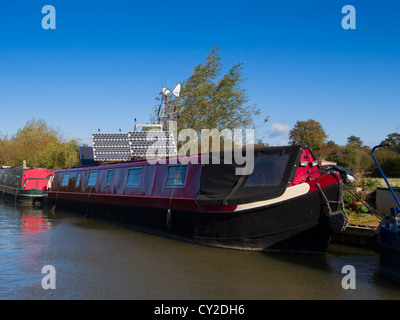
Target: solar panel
125 146
111 147
152 143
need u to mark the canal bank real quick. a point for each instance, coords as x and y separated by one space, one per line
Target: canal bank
356 236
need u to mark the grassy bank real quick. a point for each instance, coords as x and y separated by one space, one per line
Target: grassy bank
394 182
363 219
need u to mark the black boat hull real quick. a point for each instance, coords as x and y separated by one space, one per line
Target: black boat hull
29 196
297 225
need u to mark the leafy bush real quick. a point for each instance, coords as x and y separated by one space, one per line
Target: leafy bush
346 156
348 199
370 184
391 167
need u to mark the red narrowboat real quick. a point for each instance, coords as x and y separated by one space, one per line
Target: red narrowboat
288 203
26 184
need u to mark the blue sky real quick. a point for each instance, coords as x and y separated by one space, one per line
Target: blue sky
104 63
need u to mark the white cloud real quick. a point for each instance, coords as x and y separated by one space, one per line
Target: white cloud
278 129
284 143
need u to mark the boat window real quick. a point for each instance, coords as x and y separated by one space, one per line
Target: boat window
65 180
134 177
268 170
92 179
109 177
176 176
78 178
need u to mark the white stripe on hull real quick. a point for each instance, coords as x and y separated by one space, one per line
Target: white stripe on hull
290 193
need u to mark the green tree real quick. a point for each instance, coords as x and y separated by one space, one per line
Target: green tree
388 157
347 156
309 133
209 102
394 139
355 141
40 146
329 148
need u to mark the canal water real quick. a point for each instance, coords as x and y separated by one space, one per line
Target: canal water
96 260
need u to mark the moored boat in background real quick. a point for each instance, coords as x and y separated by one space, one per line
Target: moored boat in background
26 184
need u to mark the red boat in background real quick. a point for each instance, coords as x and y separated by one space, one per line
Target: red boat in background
26 184
288 203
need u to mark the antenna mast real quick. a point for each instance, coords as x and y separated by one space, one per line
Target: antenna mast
165 92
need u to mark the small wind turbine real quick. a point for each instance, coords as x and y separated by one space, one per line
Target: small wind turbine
165 92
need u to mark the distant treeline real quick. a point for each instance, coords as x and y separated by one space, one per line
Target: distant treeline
40 146
354 155
358 158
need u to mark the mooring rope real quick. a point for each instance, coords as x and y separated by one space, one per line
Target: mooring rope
169 222
337 219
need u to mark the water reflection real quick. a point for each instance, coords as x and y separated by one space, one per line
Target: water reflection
96 260
33 223
21 243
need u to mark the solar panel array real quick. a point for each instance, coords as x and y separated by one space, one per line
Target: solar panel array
125 146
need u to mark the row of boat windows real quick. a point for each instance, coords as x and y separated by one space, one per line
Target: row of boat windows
176 176
11 178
